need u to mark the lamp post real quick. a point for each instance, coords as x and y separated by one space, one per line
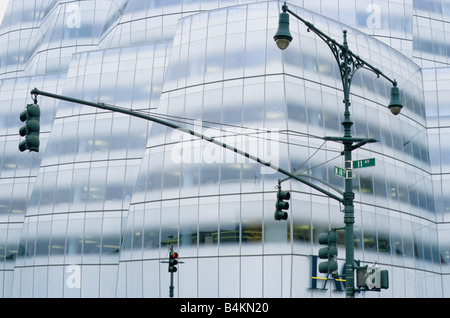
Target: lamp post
348 64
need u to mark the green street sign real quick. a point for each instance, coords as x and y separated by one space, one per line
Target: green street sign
364 163
340 172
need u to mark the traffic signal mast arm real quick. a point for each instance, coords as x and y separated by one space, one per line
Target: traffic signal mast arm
130 112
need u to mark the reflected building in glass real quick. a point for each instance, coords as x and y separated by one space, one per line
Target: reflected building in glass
96 210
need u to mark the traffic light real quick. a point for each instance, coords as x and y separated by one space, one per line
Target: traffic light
30 131
281 205
173 261
372 277
329 252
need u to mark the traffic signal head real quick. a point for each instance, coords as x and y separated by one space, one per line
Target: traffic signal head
329 252
30 131
173 261
281 205
372 277
328 238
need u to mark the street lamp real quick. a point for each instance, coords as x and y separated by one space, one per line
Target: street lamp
283 37
348 64
394 104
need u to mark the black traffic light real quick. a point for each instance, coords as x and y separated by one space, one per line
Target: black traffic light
329 252
30 131
173 261
282 205
372 277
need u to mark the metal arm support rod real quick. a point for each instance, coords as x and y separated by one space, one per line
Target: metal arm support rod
349 139
361 141
330 41
35 91
315 178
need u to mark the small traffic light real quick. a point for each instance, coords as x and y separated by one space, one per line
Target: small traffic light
281 205
384 279
329 252
372 277
173 262
30 131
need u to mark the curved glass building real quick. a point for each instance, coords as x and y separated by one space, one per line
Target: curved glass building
95 212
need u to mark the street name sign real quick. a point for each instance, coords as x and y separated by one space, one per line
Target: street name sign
340 172
363 163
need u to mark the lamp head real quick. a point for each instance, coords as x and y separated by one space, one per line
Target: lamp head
283 36
395 105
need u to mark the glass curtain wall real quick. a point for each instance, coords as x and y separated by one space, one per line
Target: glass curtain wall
93 214
229 75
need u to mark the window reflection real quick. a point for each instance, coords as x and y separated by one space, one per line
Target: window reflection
208 225
214 59
151 231
255 53
188 223
251 220
301 233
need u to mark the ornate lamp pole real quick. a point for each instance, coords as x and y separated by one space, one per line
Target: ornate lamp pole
348 63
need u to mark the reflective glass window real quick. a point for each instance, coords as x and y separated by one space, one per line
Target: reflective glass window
151 239
188 226
232 102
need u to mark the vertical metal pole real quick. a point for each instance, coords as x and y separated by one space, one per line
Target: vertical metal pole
171 286
171 277
348 64
349 218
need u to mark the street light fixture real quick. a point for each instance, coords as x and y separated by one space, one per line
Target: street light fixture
348 64
394 104
283 36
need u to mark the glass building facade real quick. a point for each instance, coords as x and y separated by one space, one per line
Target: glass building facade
95 211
